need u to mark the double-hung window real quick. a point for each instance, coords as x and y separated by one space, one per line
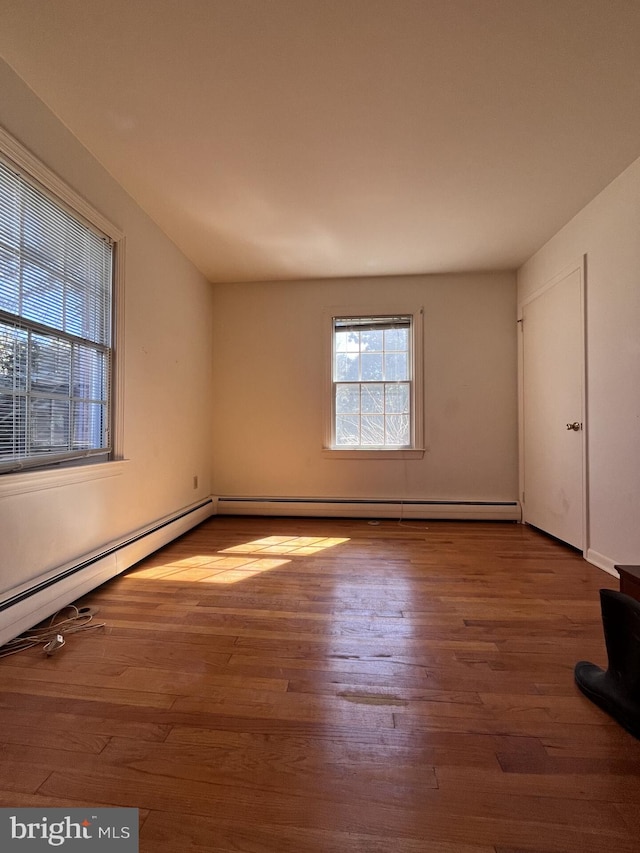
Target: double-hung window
56 300
374 400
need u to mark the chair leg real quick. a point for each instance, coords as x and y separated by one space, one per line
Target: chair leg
617 689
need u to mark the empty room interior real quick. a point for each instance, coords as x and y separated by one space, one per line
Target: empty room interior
313 467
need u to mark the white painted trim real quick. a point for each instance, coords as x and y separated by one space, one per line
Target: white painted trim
395 509
327 364
17 155
564 272
118 350
418 381
602 562
93 569
39 479
586 529
352 453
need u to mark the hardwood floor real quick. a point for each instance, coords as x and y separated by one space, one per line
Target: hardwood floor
341 686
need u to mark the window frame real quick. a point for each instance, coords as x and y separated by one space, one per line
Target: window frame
416 449
49 473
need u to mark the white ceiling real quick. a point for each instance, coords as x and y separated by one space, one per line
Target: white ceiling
292 139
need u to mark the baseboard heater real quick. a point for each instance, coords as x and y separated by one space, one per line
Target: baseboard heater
23 607
374 508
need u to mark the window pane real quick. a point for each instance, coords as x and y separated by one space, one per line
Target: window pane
396 339
13 357
373 399
76 263
50 365
347 430
396 399
49 422
75 313
10 208
13 424
88 425
348 399
371 341
398 432
347 341
9 275
373 429
90 373
395 366
41 296
347 367
371 366
97 325
42 225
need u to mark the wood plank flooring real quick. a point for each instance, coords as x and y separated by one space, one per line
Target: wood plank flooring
323 686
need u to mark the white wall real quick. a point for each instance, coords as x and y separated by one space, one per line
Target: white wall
608 231
167 348
270 387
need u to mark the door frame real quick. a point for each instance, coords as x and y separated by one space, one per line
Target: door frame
579 265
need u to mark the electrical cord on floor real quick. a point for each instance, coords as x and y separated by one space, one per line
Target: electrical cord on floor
52 635
402 523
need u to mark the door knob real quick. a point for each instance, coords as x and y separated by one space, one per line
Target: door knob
575 426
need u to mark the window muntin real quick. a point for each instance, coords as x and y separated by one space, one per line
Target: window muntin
56 294
372 382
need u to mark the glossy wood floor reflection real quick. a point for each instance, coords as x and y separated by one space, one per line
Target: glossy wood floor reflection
326 686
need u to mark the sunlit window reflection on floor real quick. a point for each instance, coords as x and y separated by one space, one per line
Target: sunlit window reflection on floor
238 563
290 545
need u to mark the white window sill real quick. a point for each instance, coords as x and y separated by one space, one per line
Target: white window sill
352 453
36 481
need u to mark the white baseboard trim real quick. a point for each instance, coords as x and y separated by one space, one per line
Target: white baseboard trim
25 606
605 563
359 508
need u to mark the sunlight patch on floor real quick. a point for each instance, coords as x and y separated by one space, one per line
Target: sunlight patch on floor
290 545
237 563
208 569
256 567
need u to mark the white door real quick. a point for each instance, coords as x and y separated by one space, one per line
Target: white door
553 434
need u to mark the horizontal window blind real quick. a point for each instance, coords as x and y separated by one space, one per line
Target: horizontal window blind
366 324
55 329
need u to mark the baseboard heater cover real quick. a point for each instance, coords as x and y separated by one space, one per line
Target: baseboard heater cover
23 607
602 562
371 508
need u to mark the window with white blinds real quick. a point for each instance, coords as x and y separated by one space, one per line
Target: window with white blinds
56 297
